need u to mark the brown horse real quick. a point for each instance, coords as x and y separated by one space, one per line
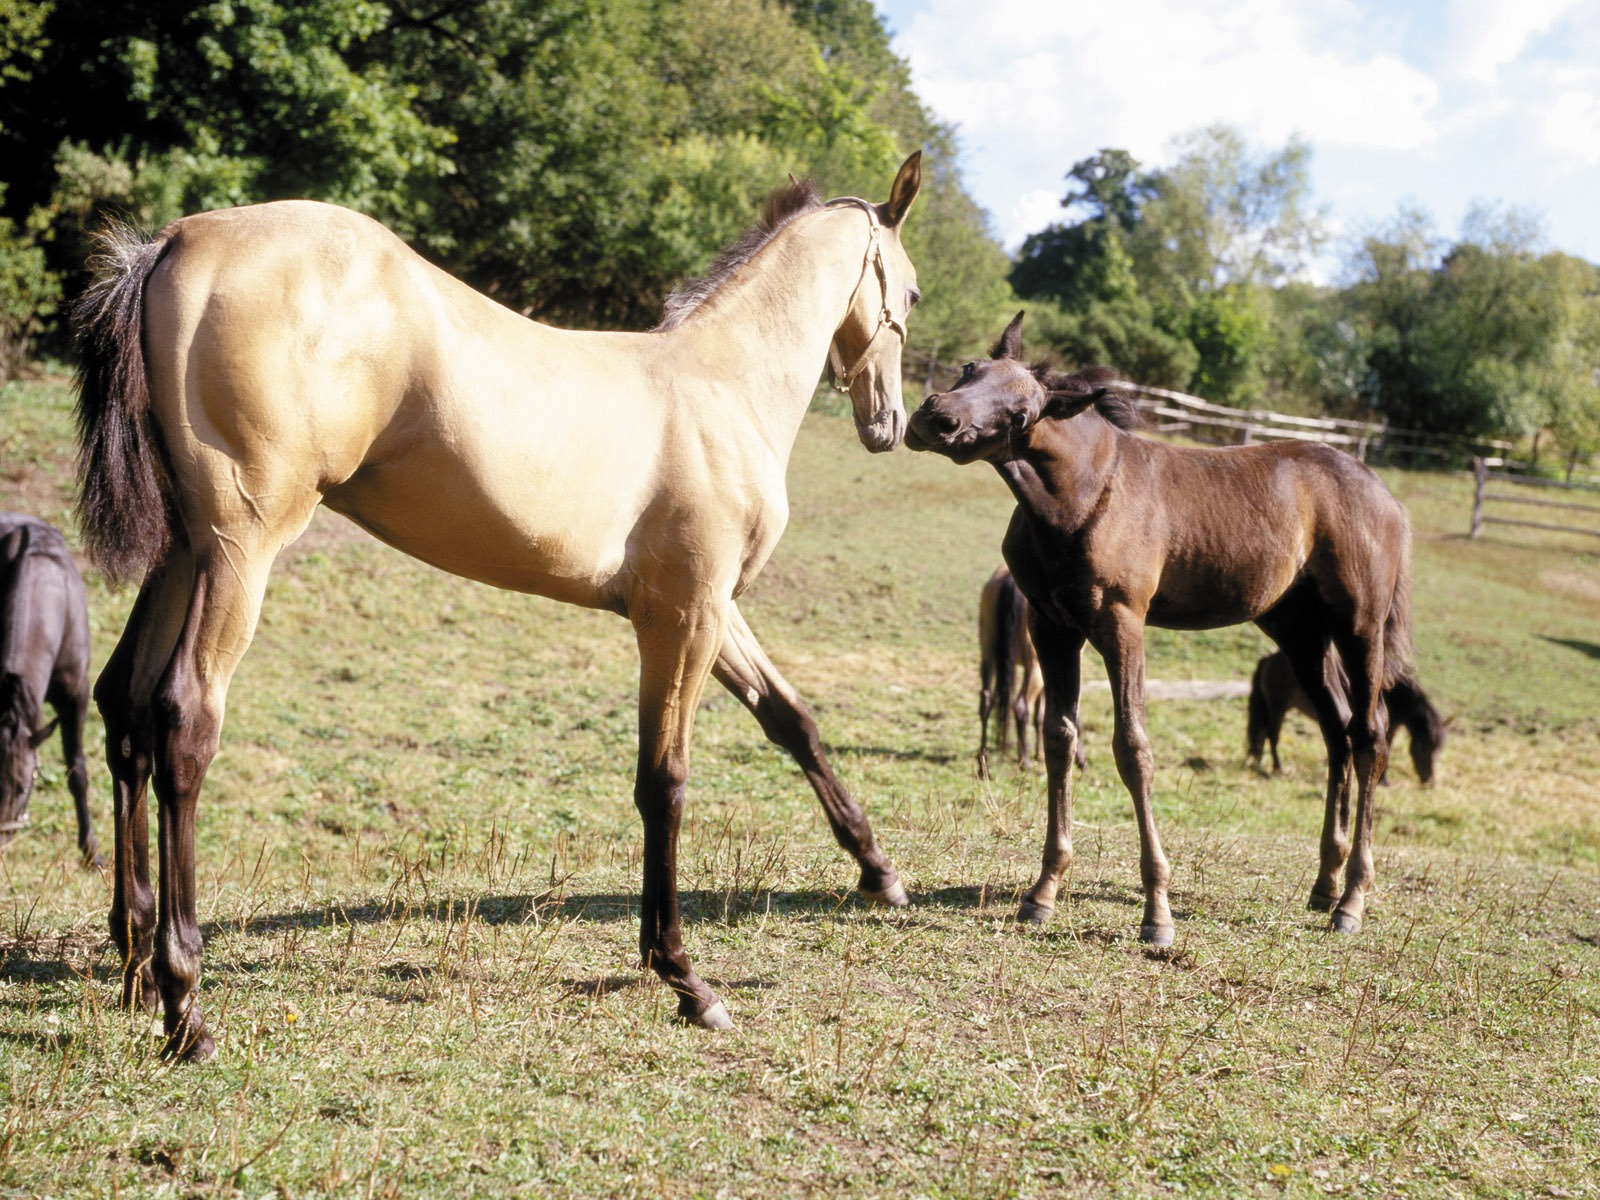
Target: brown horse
1274 691
44 659
244 366
1113 532
1005 650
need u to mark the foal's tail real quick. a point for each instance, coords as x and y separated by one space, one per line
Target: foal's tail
1398 666
123 510
999 647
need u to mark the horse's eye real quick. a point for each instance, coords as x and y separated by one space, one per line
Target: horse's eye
912 297
966 371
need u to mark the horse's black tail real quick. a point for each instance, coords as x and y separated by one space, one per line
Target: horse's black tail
123 510
1000 649
1259 720
1398 666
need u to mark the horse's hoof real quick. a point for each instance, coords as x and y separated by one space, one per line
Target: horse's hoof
1156 935
1345 923
1321 903
716 1017
1029 913
893 896
189 1046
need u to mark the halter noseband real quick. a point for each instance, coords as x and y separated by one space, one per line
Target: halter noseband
842 378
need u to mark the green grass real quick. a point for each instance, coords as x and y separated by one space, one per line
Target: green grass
419 864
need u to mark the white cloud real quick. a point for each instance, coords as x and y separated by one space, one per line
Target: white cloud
1486 35
1441 102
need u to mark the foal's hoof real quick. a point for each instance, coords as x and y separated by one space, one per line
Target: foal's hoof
715 1017
189 1046
893 896
1321 903
1156 935
1029 913
1344 923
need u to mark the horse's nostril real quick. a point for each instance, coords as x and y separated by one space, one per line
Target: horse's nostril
944 422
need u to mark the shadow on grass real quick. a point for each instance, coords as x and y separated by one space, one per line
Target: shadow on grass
1582 647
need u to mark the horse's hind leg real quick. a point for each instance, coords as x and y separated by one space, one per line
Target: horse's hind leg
1300 633
744 669
224 603
122 695
1369 743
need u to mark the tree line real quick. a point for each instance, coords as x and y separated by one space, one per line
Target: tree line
576 159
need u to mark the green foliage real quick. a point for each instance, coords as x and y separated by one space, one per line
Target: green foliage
1166 273
28 294
1487 336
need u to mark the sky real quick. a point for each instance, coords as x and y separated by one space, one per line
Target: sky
1430 104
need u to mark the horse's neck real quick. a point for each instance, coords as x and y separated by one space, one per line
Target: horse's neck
1059 474
767 330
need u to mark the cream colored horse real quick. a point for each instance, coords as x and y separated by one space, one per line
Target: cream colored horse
244 366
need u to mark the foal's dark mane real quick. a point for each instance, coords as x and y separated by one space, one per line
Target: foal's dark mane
16 712
784 205
1115 406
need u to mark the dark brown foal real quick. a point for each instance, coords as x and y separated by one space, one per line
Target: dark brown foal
1274 691
1113 532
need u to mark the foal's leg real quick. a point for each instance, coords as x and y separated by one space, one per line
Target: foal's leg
1121 644
1369 743
122 694
985 705
745 670
73 709
1059 648
675 659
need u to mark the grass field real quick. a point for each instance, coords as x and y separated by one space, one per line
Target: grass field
419 861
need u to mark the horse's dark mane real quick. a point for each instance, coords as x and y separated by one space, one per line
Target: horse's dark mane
784 205
17 707
1115 406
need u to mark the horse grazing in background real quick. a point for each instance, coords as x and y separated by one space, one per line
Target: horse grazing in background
1274 691
244 366
44 659
1005 652
1113 532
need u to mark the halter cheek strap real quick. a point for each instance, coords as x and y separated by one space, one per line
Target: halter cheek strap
843 378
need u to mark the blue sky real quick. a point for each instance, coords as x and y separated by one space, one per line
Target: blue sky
1437 104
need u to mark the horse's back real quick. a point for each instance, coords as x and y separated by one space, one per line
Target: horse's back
44 619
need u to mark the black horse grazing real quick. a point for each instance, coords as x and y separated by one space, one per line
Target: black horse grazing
1274 691
44 657
1113 532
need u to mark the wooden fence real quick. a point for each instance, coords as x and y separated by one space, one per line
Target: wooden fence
1174 412
1487 471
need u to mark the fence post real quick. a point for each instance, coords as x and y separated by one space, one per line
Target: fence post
1480 471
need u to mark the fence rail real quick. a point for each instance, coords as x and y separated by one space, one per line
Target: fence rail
1484 473
1175 412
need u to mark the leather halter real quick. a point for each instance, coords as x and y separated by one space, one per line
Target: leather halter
842 379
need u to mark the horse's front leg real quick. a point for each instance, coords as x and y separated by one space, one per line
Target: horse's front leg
675 659
1059 649
1121 644
745 670
72 711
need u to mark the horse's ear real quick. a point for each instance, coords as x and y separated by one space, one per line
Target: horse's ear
1010 343
1070 401
38 739
906 186
13 544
